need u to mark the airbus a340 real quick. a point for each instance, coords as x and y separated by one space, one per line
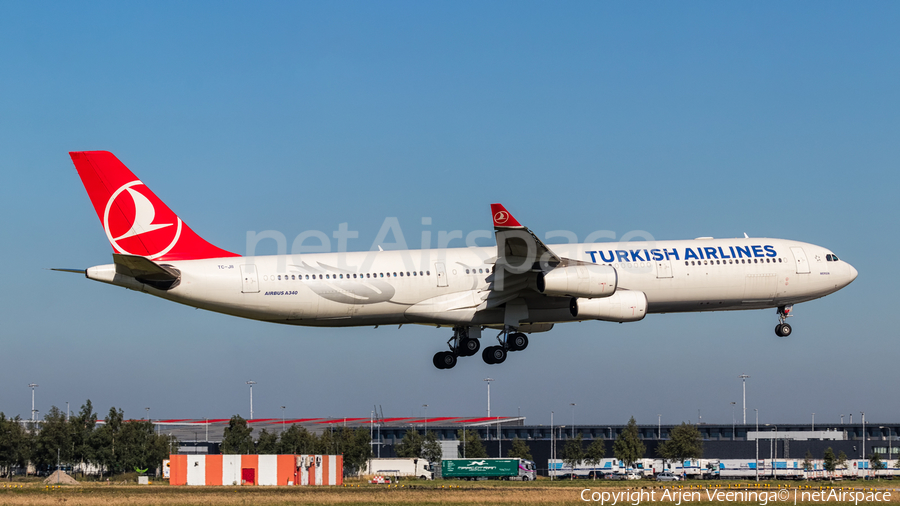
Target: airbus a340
516 288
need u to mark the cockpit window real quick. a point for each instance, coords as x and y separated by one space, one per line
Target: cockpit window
831 257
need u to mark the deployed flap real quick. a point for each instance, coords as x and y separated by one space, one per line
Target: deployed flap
163 277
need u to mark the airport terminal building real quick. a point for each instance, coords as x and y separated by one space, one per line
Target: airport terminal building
786 441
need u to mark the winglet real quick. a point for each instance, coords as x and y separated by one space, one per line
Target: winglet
502 218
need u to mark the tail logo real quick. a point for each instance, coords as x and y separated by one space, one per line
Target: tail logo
501 217
137 232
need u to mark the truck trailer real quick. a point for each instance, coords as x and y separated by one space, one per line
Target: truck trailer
484 469
418 468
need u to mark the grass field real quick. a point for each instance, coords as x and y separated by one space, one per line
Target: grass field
542 492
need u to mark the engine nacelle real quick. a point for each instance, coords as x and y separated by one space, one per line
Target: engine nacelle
623 306
588 280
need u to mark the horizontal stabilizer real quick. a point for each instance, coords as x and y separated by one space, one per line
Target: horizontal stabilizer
146 271
74 271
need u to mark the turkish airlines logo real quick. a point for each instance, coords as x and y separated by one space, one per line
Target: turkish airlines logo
501 217
136 226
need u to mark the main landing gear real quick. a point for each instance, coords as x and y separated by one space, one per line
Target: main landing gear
515 341
464 343
783 329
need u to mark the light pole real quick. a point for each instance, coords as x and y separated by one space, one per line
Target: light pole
812 428
251 383
864 434
659 426
744 385
757 444
489 380
732 421
282 419
148 413
552 445
33 412
426 418
573 419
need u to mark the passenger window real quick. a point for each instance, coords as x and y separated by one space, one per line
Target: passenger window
395 274
428 273
401 274
407 273
414 273
421 274
279 277
292 276
381 274
467 271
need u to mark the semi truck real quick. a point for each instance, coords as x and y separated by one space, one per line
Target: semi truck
418 468
488 469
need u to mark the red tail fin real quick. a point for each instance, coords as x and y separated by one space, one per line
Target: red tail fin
136 221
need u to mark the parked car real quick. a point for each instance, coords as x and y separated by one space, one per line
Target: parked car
613 476
632 475
667 476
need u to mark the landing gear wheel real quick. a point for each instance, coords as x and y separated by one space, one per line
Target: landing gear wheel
469 347
444 360
517 342
783 330
496 354
487 356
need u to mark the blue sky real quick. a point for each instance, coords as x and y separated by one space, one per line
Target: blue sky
680 119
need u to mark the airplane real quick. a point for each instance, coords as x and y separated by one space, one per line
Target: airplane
519 287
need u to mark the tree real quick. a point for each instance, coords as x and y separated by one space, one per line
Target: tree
297 440
807 461
106 442
141 448
82 426
684 443
470 445
519 450
875 462
829 459
842 459
356 445
411 445
237 438
595 453
628 446
54 441
267 444
431 448
573 453
13 444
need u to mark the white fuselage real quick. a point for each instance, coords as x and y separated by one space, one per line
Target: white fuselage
445 286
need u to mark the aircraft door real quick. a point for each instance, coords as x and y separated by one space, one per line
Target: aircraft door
249 279
800 261
664 269
441 273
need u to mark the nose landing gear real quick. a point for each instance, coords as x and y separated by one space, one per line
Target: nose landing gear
784 329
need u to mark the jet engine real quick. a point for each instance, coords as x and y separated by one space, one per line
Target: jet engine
587 280
623 306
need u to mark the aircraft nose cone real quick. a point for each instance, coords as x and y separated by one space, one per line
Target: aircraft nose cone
853 273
